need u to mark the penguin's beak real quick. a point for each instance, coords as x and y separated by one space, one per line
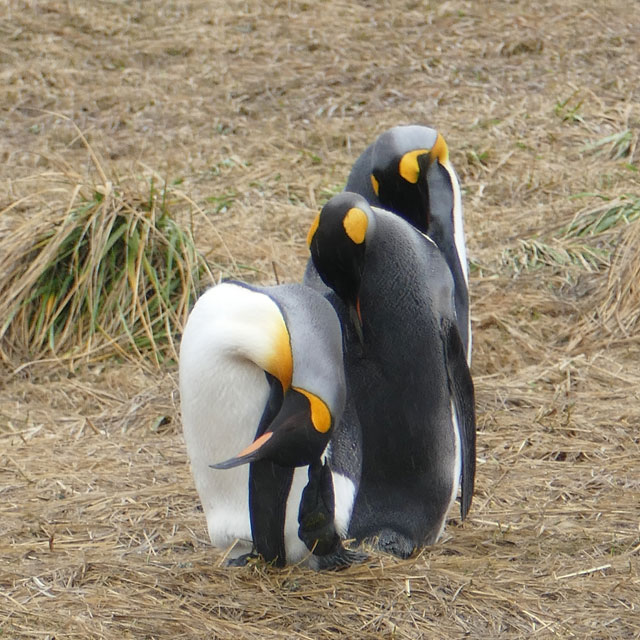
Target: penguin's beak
248 454
291 440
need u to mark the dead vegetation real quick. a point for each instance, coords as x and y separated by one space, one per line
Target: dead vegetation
248 115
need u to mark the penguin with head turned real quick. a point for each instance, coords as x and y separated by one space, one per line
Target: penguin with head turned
407 171
262 389
407 374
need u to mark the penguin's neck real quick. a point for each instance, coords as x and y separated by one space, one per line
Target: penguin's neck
225 396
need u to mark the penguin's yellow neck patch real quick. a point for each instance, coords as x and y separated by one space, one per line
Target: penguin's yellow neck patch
355 224
375 184
280 360
320 414
408 166
313 229
440 150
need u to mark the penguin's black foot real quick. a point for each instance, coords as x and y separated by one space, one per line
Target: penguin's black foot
395 543
341 558
243 560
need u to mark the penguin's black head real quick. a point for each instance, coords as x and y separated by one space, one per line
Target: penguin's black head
337 240
399 189
296 437
400 162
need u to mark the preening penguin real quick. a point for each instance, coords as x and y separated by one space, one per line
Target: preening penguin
262 382
407 171
406 371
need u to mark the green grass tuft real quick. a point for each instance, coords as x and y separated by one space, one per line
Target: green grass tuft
605 217
617 145
113 271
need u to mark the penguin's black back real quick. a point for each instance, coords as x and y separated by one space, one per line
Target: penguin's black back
399 383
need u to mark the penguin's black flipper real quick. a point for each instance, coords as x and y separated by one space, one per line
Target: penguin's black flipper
269 486
461 387
316 518
441 230
317 512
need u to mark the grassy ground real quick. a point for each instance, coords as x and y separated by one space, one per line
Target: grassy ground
247 116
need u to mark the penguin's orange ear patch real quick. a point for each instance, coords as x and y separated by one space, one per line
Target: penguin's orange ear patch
355 224
408 166
440 150
375 184
313 229
320 414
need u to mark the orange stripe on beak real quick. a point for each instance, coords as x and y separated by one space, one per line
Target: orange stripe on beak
256 444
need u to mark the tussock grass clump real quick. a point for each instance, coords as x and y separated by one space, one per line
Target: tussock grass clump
586 244
535 253
109 270
604 217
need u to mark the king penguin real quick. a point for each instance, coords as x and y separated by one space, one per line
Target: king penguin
262 382
406 370
407 171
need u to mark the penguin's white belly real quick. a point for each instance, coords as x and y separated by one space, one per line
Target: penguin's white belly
344 493
221 411
295 549
456 468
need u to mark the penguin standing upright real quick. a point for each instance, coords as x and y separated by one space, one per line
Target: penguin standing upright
406 370
261 373
407 171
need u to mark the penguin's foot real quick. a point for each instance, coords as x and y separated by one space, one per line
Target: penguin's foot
339 559
395 543
243 560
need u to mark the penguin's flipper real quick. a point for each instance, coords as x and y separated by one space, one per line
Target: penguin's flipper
440 181
316 518
461 387
269 486
317 512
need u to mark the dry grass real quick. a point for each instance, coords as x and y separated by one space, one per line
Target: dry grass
109 271
251 113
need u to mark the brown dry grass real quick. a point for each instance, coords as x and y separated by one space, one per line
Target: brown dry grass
254 111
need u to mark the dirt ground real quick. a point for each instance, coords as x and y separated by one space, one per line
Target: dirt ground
250 114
